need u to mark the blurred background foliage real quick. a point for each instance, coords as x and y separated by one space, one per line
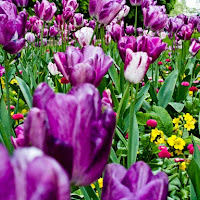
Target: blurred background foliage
83 8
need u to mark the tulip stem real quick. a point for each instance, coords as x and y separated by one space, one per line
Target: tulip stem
102 37
135 21
131 126
7 93
121 102
95 30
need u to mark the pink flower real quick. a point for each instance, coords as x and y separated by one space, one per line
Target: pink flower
185 83
196 81
152 123
18 116
190 147
164 154
160 63
160 80
167 60
179 159
11 107
170 68
127 136
162 148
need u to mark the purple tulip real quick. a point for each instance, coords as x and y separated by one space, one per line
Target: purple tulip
136 66
152 45
139 31
31 175
126 43
194 20
21 3
104 11
53 31
68 13
108 38
45 10
130 30
147 3
30 37
136 2
19 141
136 183
78 20
117 32
107 99
123 12
155 17
82 145
185 32
92 24
174 24
89 64
12 27
70 3
194 47
183 17
84 36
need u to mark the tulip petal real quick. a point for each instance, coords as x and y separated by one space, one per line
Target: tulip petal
13 47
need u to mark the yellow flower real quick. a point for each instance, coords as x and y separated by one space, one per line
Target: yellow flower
160 141
176 120
182 166
100 182
179 143
188 117
191 93
189 125
154 133
3 83
13 81
171 140
24 111
178 152
14 92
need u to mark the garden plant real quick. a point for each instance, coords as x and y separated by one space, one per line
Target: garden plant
95 107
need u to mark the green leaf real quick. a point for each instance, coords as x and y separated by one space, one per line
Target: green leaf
121 137
113 156
178 107
163 119
25 91
90 192
115 78
142 118
166 91
141 96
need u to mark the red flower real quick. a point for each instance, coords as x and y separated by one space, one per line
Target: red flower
18 116
164 154
193 89
64 80
160 63
170 68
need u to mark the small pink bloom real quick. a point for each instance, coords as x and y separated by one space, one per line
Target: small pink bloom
179 159
150 78
196 81
127 136
160 80
164 154
190 147
143 83
11 107
162 147
185 83
18 116
157 90
167 60
152 123
160 63
170 68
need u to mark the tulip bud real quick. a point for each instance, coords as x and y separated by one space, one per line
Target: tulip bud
194 47
78 20
130 30
30 37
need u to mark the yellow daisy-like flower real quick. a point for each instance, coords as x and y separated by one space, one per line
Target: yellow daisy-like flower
176 120
188 117
171 140
154 133
13 81
24 111
178 152
182 166
179 143
100 182
160 141
189 125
